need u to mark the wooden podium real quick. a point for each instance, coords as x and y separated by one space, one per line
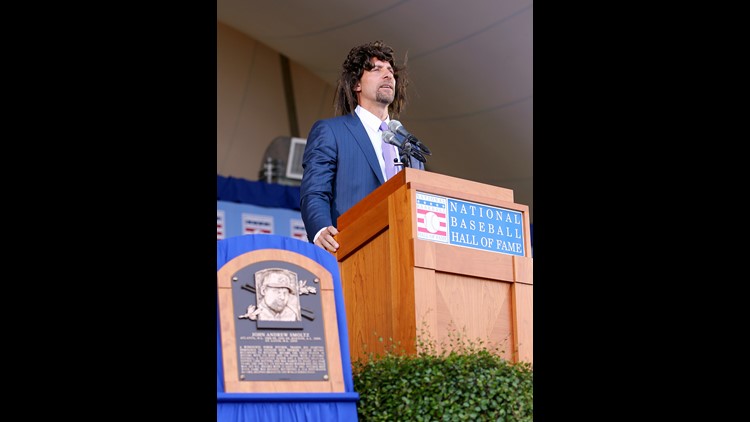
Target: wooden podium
473 275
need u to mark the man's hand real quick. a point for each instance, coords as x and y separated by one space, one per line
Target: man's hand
326 240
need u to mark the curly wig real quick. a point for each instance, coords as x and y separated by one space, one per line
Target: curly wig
358 60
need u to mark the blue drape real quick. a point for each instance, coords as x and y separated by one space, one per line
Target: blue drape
263 194
273 407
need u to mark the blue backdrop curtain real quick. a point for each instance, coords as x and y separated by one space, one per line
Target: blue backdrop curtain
263 194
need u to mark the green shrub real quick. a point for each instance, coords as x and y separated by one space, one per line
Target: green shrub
471 382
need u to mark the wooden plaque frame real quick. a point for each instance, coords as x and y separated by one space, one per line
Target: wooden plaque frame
232 383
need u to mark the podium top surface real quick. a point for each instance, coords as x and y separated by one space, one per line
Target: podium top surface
430 182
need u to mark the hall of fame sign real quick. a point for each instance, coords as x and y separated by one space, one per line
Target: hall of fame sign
468 224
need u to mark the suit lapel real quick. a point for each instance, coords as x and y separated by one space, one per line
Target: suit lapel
360 135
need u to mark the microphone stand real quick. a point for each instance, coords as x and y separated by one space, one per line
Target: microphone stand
403 158
407 148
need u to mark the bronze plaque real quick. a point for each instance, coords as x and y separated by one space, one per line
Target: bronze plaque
279 328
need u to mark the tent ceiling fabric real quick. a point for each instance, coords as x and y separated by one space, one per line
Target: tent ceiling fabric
470 63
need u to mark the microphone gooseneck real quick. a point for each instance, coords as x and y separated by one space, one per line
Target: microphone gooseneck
398 128
405 147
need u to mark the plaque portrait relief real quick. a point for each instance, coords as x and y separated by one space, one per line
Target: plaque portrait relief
277 296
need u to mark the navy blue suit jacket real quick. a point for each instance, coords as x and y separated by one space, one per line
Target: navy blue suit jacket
340 168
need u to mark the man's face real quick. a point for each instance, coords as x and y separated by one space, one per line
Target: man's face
276 297
377 85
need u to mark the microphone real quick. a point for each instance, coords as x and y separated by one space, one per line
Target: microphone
391 138
403 146
397 127
418 155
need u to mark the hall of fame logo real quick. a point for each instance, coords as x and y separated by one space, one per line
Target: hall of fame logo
432 223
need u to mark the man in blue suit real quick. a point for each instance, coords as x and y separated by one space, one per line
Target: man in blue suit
343 160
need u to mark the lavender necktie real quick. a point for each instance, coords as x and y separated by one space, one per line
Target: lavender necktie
388 155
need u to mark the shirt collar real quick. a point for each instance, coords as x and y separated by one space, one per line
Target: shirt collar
368 119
